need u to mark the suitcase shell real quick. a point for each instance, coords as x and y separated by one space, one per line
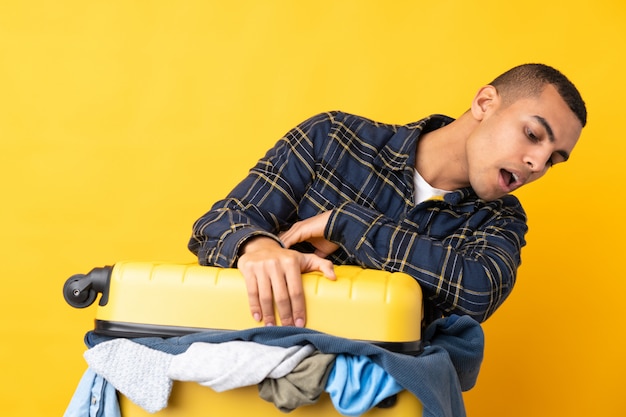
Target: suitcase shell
165 299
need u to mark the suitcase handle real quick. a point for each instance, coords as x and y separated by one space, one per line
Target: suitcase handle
81 290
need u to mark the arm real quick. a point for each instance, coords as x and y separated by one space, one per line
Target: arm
266 201
470 271
242 229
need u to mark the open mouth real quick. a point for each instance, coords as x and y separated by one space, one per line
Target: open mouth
509 179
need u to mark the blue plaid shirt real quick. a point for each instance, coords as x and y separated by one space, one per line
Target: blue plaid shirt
463 251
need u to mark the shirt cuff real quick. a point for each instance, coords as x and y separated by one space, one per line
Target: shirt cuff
226 254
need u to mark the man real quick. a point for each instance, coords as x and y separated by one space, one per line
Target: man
431 199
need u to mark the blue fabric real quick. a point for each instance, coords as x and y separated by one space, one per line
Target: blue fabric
356 384
94 397
449 363
444 334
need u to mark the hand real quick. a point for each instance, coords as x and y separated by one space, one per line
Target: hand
311 230
273 275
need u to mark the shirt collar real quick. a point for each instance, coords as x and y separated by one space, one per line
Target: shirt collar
399 153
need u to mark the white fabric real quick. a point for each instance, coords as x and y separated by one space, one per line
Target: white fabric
424 191
224 366
145 375
138 372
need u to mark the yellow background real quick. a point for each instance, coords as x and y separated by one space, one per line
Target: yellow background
122 121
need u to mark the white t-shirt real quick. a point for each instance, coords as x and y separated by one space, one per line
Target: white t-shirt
424 191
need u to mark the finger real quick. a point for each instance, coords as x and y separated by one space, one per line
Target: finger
253 294
291 236
323 247
266 299
328 269
315 263
296 297
281 297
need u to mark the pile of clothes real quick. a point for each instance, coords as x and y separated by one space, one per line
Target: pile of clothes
290 366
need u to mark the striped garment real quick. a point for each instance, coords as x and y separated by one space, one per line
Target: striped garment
463 251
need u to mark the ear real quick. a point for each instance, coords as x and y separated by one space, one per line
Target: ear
486 100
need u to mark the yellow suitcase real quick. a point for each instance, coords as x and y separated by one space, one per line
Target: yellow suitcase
164 299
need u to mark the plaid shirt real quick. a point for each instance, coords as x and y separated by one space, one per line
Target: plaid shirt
463 251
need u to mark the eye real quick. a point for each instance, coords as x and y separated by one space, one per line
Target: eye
531 135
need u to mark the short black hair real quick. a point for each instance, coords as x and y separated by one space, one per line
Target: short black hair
530 79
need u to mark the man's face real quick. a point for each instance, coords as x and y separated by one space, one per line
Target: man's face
516 144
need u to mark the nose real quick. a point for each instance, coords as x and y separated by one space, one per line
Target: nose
532 165
537 162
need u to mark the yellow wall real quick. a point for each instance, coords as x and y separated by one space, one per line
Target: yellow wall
121 122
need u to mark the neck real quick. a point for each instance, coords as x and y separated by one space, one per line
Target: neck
441 155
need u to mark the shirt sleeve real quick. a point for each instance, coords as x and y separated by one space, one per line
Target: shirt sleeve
266 201
469 272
